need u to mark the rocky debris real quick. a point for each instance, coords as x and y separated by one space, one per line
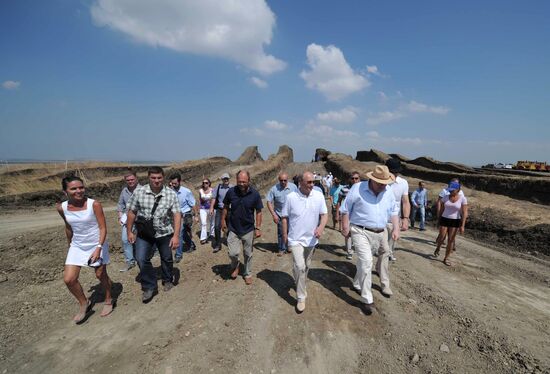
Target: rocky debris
414 358
444 348
373 155
249 156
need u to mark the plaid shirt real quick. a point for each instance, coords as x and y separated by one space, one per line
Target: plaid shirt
142 201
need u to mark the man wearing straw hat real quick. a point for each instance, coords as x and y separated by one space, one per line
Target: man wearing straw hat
365 213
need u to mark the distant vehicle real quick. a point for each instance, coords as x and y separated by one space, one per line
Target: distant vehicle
508 166
532 166
500 165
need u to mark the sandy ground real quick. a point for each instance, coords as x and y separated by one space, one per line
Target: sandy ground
488 313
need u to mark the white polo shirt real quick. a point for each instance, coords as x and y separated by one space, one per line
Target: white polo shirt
303 216
400 188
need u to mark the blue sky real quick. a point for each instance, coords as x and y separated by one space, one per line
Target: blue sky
175 80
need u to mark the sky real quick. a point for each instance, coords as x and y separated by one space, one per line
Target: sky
170 80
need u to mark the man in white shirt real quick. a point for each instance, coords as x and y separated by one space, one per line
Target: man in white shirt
400 190
304 218
365 213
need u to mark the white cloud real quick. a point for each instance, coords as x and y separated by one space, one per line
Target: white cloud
275 125
260 83
372 134
325 131
373 70
382 96
417 107
11 85
346 115
384 117
237 30
252 131
405 110
330 73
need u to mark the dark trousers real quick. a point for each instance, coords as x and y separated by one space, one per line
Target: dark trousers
144 253
217 227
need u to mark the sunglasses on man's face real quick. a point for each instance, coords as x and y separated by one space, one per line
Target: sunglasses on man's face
283 180
355 178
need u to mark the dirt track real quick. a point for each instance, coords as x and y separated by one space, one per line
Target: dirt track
491 310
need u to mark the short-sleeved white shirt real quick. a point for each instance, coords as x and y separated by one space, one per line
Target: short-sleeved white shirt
400 188
303 216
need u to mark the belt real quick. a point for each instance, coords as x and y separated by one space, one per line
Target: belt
376 231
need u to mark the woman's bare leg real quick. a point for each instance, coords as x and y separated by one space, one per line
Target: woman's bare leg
70 277
440 238
101 274
450 244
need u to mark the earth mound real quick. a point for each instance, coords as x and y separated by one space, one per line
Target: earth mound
249 156
373 155
434 164
321 154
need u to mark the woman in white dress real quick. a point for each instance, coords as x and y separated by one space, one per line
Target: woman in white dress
86 232
207 223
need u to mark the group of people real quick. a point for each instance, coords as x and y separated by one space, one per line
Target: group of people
369 214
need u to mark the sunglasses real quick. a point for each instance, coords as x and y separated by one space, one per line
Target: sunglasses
355 178
205 182
283 180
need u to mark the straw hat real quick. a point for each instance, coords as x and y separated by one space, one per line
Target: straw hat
381 174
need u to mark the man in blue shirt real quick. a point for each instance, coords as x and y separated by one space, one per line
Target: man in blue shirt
276 198
188 208
240 203
419 200
365 213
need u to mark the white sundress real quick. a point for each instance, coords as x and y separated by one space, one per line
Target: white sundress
85 235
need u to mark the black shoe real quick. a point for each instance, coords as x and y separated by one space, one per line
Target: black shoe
168 286
148 295
217 249
177 260
358 292
367 308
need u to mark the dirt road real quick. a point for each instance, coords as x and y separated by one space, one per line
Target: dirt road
489 313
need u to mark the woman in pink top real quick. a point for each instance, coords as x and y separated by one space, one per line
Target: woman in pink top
452 218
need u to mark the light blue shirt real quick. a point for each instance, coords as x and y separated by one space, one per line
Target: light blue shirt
277 196
335 192
368 210
420 197
186 199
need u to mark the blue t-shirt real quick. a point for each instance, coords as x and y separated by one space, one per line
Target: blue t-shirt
335 193
241 209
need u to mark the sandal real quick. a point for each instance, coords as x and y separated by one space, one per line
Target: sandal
107 309
81 316
436 253
447 262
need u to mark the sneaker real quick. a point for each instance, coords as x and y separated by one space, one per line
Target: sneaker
349 257
217 249
422 229
148 295
392 258
280 253
128 267
168 286
301 306
387 292
177 260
